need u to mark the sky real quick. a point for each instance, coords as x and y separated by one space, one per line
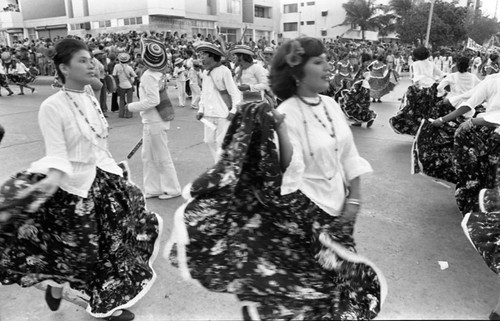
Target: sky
488 6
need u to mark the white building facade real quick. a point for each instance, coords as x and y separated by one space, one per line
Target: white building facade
235 19
319 19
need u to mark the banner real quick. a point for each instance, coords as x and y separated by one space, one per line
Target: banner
471 44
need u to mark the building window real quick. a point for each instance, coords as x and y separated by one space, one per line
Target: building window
290 26
323 33
262 12
105 24
310 3
230 6
228 34
289 8
302 4
132 21
310 23
302 23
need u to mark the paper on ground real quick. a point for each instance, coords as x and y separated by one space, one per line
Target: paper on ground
443 264
208 124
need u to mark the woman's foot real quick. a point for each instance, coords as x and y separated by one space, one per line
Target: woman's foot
32 90
53 297
379 101
21 94
121 315
356 124
370 123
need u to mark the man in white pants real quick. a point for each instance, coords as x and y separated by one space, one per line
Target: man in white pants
217 82
160 177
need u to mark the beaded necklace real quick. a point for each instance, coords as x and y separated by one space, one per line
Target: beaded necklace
306 127
101 116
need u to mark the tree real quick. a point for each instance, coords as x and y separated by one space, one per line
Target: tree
447 26
367 16
482 28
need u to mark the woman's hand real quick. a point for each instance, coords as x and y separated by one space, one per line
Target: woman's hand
438 122
278 117
47 186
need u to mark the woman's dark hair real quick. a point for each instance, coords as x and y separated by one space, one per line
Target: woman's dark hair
65 50
365 57
283 78
462 64
421 53
494 57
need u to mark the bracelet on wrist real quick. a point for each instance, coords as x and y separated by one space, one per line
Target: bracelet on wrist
353 201
441 119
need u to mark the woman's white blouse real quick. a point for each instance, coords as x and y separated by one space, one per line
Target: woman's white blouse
70 145
323 177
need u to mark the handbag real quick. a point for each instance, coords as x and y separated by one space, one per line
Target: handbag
165 108
224 95
110 83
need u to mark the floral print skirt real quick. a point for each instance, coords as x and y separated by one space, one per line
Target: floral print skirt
432 150
421 103
355 103
483 227
238 234
476 156
103 245
380 87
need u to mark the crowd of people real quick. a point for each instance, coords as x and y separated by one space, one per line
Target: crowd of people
272 220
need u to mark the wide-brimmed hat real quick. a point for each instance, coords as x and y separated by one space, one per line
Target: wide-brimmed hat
178 61
210 47
154 54
123 57
242 49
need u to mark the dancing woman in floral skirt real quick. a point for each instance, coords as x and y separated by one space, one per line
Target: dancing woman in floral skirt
72 218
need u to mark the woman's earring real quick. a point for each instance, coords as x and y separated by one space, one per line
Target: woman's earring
297 82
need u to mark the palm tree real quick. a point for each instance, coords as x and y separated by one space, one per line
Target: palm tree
365 15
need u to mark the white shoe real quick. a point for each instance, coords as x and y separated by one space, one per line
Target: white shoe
168 196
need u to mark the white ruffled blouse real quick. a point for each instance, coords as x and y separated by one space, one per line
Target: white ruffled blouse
323 176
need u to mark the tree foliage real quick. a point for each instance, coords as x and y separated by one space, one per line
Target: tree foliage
367 16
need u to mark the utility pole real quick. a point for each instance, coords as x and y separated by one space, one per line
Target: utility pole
429 24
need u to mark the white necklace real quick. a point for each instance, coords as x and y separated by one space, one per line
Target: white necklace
101 116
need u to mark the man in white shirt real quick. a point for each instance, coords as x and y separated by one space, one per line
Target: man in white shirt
218 85
125 76
251 78
160 177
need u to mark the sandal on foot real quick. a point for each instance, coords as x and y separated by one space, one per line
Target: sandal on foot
52 302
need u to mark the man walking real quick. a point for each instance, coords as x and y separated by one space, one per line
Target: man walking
219 97
160 177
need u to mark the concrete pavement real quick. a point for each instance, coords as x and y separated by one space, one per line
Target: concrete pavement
407 224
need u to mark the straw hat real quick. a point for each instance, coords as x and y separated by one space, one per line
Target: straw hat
268 50
178 61
242 49
97 52
209 47
154 54
123 57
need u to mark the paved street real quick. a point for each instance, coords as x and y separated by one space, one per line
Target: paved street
407 224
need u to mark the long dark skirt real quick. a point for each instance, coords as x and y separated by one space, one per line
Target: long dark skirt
355 103
103 245
380 87
476 156
483 227
282 252
432 149
420 104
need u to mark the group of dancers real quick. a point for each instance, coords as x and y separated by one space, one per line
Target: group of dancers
454 118
271 222
15 71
